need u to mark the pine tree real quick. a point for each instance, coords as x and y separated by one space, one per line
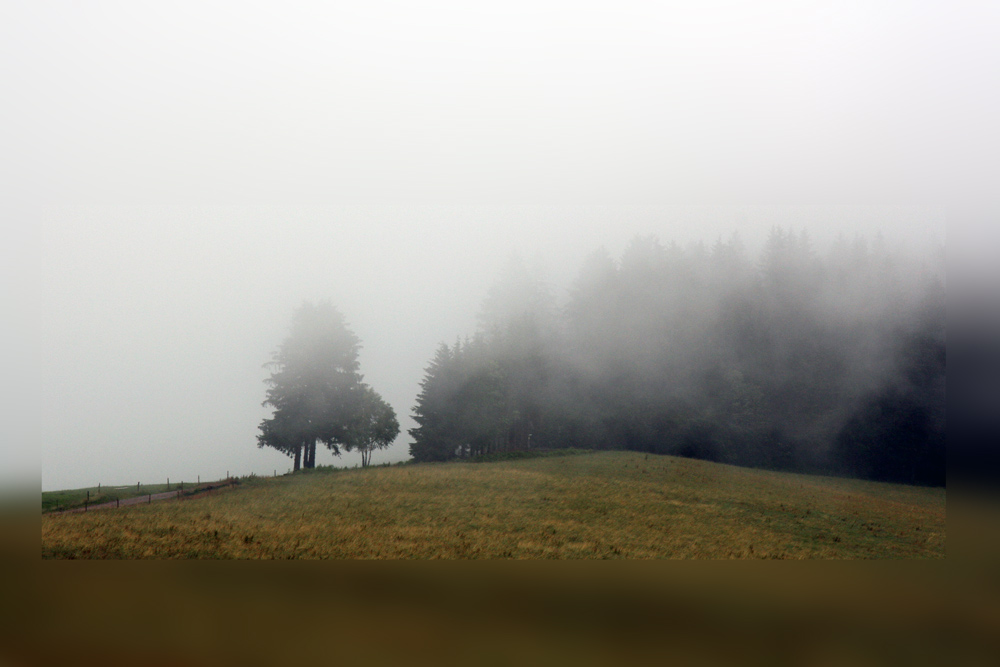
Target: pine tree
315 386
434 436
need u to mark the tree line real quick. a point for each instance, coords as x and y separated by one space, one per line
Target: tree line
796 360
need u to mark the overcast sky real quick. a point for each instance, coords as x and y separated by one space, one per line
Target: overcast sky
178 177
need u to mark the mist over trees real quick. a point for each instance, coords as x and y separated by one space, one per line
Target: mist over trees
318 395
795 359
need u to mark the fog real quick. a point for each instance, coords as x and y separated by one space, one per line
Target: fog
180 178
157 321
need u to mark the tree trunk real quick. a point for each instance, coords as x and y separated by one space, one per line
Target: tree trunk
311 454
298 457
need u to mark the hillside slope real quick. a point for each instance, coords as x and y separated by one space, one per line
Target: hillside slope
600 505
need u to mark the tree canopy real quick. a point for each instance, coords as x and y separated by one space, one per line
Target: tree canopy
374 427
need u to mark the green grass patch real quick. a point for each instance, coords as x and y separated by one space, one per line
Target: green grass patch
527 454
603 505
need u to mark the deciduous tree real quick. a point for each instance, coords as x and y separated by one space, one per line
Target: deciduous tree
375 426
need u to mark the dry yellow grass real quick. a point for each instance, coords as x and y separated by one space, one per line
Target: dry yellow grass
605 505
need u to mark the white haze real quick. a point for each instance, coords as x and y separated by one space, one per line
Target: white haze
158 320
178 177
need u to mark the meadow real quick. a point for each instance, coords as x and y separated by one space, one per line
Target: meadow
607 505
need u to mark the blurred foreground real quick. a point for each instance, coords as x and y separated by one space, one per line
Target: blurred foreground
501 613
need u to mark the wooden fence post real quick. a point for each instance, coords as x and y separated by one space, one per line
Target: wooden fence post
86 502
117 503
150 501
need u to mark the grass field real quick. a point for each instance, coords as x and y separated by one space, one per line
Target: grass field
599 505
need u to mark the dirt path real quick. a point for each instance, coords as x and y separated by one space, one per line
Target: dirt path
125 501
138 500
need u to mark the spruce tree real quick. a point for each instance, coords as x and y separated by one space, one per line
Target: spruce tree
315 386
434 437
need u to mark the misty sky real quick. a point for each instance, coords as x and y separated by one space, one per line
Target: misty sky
179 177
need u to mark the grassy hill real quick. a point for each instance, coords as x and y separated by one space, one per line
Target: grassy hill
597 505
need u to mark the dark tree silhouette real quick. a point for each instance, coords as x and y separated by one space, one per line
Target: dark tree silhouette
435 436
315 387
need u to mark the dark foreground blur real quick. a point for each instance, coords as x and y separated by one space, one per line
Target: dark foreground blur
463 613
